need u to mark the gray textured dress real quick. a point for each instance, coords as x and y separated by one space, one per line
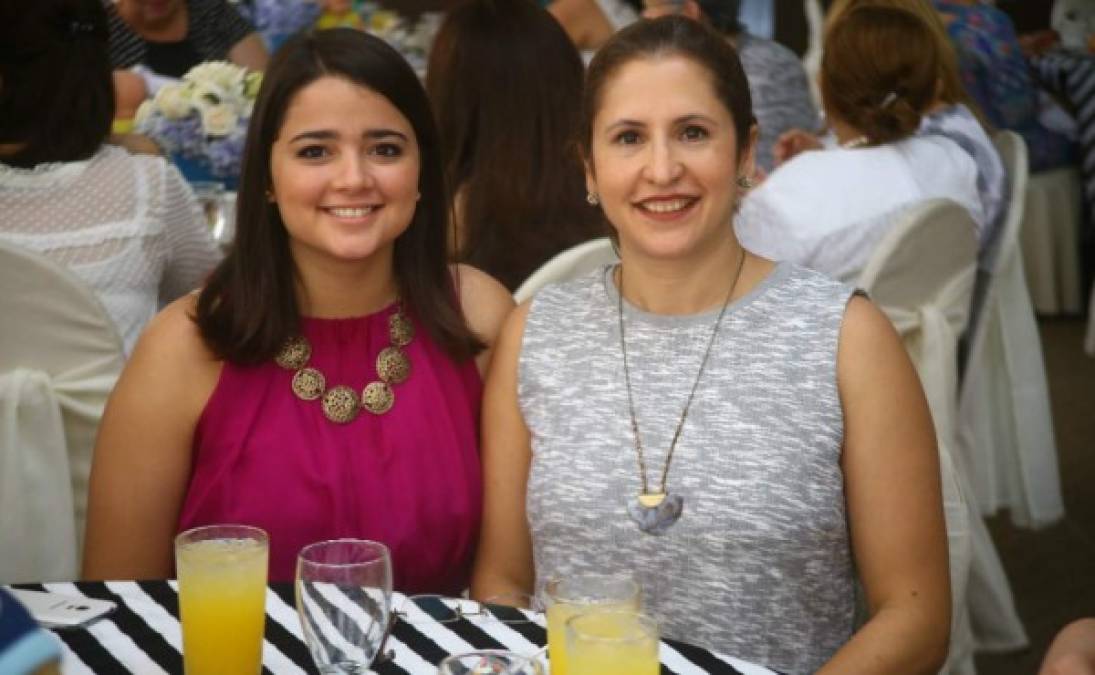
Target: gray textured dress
759 565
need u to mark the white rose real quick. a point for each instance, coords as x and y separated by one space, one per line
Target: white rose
173 101
144 111
225 76
207 95
219 120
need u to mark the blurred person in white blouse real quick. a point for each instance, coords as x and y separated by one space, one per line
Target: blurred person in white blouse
127 225
826 210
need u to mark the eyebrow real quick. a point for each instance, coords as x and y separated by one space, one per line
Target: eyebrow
684 119
327 134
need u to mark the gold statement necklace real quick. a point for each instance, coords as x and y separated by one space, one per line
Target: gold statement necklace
341 404
655 511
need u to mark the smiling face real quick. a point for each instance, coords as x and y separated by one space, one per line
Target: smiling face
665 165
344 171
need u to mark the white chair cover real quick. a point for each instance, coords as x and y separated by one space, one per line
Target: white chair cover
60 355
1049 239
921 274
571 263
1006 439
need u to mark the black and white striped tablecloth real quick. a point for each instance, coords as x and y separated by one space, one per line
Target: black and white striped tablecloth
144 637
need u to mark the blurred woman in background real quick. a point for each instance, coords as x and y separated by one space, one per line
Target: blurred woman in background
505 83
169 37
128 225
825 210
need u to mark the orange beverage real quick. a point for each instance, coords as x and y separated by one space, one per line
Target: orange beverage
572 595
222 598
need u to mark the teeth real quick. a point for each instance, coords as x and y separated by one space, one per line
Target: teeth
667 206
352 212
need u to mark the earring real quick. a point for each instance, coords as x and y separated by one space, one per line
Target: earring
269 195
744 182
591 197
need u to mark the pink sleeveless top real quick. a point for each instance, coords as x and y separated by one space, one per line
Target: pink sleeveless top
409 478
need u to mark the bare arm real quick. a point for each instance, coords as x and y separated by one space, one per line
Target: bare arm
142 455
250 52
485 304
1072 651
583 21
894 500
503 562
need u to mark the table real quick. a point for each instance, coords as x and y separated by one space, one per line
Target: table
143 636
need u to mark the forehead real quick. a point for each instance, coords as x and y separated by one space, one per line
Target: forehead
648 87
332 102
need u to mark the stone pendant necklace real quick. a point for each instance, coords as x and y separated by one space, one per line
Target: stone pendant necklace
655 511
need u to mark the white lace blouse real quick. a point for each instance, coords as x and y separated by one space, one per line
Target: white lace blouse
128 225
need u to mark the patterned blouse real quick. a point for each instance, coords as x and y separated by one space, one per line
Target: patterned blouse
214 28
997 76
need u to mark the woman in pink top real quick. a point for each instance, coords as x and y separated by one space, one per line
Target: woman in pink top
326 381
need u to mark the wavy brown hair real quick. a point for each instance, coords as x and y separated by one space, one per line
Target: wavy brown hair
504 77
249 307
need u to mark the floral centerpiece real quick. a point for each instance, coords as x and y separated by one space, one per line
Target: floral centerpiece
204 116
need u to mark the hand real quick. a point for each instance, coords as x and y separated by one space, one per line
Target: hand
1034 44
791 143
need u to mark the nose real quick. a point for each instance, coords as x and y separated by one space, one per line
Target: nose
663 166
353 173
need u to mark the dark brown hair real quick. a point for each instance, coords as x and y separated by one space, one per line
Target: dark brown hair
880 71
671 36
249 308
56 91
503 77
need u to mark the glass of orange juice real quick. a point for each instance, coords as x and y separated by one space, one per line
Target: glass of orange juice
611 642
222 598
570 595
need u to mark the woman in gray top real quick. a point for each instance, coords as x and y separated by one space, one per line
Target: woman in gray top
744 438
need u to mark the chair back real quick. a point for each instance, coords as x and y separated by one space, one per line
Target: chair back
571 263
60 354
1005 253
1005 422
921 274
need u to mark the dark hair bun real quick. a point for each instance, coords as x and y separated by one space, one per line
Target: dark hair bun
890 120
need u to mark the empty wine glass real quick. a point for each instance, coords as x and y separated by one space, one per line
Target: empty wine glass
344 596
489 662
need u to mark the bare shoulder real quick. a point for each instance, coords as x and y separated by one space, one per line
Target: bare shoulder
867 328
485 302
171 351
871 357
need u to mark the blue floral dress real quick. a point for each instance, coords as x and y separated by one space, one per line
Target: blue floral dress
998 77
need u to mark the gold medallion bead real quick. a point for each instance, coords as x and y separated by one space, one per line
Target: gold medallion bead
393 366
400 329
377 397
340 405
309 384
295 354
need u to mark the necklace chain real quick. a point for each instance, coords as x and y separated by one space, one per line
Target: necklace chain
691 394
